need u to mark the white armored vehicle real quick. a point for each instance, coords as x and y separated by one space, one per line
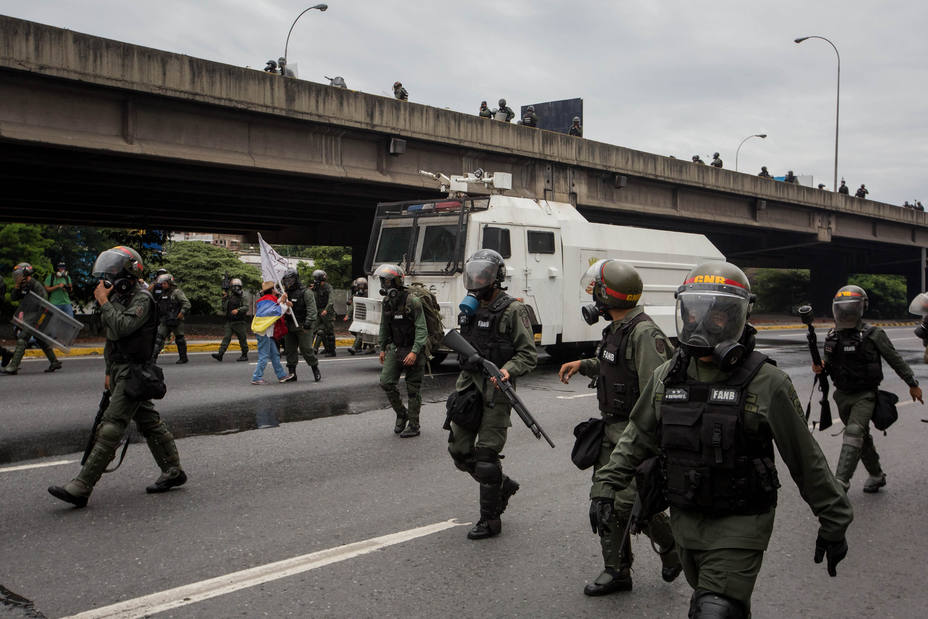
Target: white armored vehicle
547 246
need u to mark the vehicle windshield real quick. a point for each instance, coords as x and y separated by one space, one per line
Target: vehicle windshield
424 238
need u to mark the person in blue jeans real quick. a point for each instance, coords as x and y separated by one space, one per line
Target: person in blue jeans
268 310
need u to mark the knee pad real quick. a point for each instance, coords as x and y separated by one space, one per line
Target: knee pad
488 469
462 463
109 432
854 435
710 605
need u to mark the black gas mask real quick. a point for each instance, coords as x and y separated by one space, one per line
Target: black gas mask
592 312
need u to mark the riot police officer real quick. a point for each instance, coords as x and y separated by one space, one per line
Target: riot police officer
399 92
764 173
235 310
631 349
716 161
325 303
707 422
844 188
130 321
172 309
403 341
507 110
530 118
358 289
499 327
485 112
5 355
300 325
24 282
698 159
575 128
861 192
853 358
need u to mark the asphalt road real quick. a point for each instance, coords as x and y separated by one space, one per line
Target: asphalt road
371 525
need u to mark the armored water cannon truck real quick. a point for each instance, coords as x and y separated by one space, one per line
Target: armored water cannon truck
547 246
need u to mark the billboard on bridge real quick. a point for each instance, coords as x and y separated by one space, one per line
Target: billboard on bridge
556 115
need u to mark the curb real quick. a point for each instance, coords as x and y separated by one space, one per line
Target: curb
192 346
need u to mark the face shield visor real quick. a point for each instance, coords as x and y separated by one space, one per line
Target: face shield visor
109 264
592 277
847 312
707 318
480 274
919 305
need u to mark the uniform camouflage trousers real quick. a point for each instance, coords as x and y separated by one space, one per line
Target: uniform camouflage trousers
164 331
730 572
20 350
658 529
855 411
299 341
240 330
113 427
326 329
389 378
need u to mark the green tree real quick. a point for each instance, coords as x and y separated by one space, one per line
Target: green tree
334 260
886 294
779 290
21 243
198 269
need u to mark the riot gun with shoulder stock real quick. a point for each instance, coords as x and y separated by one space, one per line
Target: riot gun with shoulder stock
471 358
807 317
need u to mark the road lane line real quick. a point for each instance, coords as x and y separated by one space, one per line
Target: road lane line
197 592
574 397
25 467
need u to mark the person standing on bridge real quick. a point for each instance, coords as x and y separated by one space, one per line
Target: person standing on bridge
861 192
506 110
24 282
530 118
716 161
301 325
485 112
698 159
499 327
843 188
399 92
129 317
575 129
235 309
763 172
325 301
403 339
705 425
173 306
631 349
853 359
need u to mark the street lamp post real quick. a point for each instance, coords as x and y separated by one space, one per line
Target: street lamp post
737 152
837 100
321 7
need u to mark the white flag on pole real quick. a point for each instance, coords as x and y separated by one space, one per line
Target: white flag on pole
273 265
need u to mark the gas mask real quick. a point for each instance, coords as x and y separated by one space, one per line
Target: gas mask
592 312
469 303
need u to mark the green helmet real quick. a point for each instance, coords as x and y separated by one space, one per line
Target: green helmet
614 284
713 305
848 306
391 276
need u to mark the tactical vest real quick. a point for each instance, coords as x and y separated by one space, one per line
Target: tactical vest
400 322
854 362
168 306
482 331
299 304
138 346
712 462
234 301
617 387
321 290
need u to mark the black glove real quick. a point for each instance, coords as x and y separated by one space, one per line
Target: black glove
601 512
836 551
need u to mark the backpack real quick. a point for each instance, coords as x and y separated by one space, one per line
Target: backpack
432 315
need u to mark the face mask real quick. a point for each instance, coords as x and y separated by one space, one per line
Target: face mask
590 313
469 304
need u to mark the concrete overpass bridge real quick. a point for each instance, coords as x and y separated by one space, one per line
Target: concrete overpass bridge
99 132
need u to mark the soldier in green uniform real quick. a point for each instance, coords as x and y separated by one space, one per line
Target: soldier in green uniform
708 420
499 328
853 358
300 325
530 118
325 302
485 112
5 355
403 347
505 109
24 282
358 289
130 321
631 349
235 309
172 308
716 161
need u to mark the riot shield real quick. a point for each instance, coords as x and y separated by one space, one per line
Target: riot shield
40 318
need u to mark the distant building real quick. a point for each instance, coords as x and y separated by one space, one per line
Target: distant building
234 242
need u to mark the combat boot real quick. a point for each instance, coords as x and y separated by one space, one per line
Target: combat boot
847 460
54 365
400 423
609 581
5 357
412 429
291 371
509 488
217 356
485 527
74 492
243 357
489 524
317 375
874 483
171 478
181 352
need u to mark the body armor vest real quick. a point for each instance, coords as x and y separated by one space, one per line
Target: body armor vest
482 331
168 306
138 346
712 462
617 387
299 304
321 290
400 322
234 301
854 362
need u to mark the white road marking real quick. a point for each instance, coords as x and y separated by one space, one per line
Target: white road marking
574 397
197 592
26 467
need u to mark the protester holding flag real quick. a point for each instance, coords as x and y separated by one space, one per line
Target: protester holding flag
268 310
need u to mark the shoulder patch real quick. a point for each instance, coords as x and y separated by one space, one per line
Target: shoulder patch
139 310
523 314
660 346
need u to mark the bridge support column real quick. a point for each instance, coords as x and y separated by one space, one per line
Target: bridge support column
825 278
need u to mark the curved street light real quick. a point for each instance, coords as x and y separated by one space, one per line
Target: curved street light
737 152
837 100
321 7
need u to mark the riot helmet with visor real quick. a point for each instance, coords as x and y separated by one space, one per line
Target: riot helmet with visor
848 306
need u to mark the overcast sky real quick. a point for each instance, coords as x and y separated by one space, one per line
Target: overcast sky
670 77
